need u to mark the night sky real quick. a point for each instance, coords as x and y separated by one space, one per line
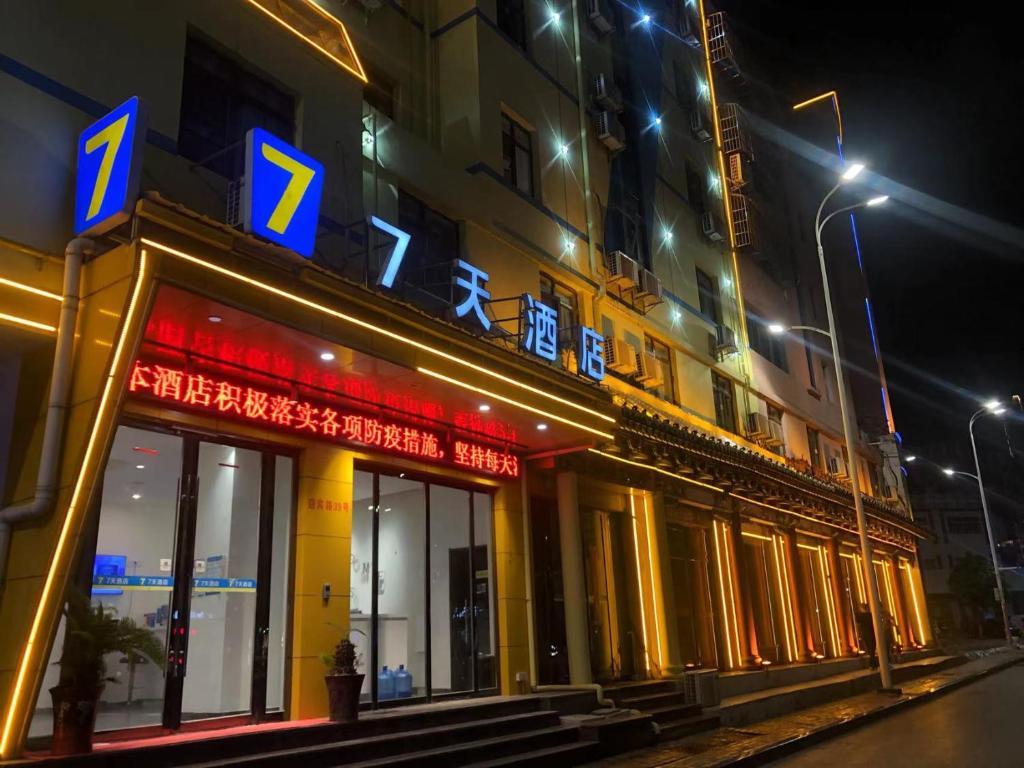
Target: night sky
930 101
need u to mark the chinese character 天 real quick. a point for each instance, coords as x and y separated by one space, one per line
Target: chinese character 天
475 286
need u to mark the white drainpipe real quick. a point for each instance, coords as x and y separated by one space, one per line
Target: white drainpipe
60 384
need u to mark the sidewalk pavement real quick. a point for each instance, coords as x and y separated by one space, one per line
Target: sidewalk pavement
762 742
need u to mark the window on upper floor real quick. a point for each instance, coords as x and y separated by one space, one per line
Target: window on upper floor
379 91
517 154
220 101
707 293
433 248
566 302
666 389
828 376
814 448
775 416
725 401
770 346
695 188
512 20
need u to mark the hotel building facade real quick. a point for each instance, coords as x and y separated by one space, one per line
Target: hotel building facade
508 409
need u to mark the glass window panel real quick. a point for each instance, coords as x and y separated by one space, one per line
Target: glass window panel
360 605
484 591
450 649
279 570
401 623
218 676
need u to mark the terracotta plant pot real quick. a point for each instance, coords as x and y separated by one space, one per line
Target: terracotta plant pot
343 696
74 718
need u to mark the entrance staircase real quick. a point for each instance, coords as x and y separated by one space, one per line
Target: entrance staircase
540 730
665 702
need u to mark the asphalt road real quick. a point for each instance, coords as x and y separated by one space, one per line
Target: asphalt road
980 725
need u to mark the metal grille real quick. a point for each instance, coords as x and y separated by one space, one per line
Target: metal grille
732 138
741 229
718 42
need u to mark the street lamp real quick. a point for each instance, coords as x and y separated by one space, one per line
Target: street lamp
849 430
995 408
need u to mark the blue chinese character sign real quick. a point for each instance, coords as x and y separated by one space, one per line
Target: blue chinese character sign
590 354
540 328
281 193
109 168
475 286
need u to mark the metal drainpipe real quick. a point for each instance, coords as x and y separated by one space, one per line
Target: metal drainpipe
581 106
60 384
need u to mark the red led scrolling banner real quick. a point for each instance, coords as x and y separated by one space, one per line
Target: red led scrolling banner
241 401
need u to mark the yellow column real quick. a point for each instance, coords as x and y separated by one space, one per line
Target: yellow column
323 548
510 563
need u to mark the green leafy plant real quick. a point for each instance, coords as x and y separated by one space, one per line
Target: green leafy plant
344 660
93 631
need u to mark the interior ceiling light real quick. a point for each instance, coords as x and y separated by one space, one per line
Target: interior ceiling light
215 318
327 356
484 407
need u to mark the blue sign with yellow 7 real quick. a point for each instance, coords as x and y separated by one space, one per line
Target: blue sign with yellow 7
109 168
281 192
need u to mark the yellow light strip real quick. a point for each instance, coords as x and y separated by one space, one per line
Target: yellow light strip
782 597
720 562
913 597
750 535
807 546
789 595
639 582
727 541
27 323
862 590
295 298
654 592
833 620
510 401
887 572
30 289
835 103
655 469
107 399
724 181
358 71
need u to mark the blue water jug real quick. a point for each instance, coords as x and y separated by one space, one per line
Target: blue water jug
385 684
403 683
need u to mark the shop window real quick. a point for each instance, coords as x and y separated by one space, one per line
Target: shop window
433 249
817 599
220 101
666 389
512 21
707 293
770 346
517 154
565 301
814 448
725 402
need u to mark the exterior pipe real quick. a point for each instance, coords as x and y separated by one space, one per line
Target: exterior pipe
60 385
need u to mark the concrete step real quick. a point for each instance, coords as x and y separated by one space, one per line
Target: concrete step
620 691
649 701
482 750
677 729
574 753
374 747
677 711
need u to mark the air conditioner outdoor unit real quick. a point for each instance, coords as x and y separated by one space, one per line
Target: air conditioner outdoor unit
606 93
622 269
698 125
619 356
650 289
648 370
736 171
710 227
776 437
700 686
725 342
600 16
757 426
610 131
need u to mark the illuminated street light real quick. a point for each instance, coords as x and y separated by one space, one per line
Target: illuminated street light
948 471
909 459
876 201
852 172
776 328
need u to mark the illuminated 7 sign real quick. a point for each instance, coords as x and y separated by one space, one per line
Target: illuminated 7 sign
281 193
109 167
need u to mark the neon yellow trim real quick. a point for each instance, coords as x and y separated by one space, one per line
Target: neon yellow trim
371 327
639 581
913 597
654 592
27 323
721 591
727 543
750 535
30 289
107 399
655 469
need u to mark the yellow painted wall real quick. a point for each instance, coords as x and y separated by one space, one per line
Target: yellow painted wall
510 564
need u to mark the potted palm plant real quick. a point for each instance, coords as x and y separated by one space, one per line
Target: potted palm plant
343 681
91 632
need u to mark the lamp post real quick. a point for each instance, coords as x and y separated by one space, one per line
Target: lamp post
846 410
995 408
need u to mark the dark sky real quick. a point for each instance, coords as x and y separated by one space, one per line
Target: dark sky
930 100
